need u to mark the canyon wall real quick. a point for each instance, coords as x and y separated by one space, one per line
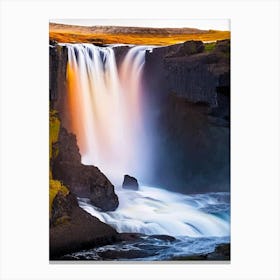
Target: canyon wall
189 89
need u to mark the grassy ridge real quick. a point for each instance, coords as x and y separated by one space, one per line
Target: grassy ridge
132 35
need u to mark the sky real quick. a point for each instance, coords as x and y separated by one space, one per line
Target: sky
206 24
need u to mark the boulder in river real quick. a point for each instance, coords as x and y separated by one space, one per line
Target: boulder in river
130 183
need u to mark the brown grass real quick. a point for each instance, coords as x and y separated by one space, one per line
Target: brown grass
160 37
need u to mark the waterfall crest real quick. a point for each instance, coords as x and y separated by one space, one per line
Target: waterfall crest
105 106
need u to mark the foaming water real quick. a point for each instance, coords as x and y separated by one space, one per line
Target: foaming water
106 109
156 211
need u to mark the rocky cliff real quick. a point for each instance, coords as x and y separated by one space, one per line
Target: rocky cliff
71 228
188 86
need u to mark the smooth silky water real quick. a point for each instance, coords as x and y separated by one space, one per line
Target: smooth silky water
198 222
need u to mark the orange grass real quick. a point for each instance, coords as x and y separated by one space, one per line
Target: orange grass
72 35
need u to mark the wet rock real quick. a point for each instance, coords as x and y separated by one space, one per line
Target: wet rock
123 254
120 53
130 183
163 237
127 236
222 252
79 231
82 180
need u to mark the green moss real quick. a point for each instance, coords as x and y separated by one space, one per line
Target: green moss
208 47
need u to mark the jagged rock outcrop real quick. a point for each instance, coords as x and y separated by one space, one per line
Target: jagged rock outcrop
82 180
130 183
72 229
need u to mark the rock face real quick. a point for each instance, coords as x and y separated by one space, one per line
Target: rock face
120 53
57 73
130 183
188 89
82 180
186 49
72 229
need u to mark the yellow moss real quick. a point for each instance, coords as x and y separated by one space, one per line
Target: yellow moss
55 187
62 220
54 131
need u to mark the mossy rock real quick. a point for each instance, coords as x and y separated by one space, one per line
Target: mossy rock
54 125
208 47
62 220
55 187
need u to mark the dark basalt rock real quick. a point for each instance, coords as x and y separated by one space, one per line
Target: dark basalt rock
120 53
57 72
130 183
72 229
127 236
189 104
62 208
82 180
187 48
163 237
123 254
221 253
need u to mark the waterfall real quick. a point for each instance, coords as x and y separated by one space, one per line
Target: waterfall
105 106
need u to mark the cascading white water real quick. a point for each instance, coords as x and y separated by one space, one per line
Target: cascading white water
157 211
105 105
